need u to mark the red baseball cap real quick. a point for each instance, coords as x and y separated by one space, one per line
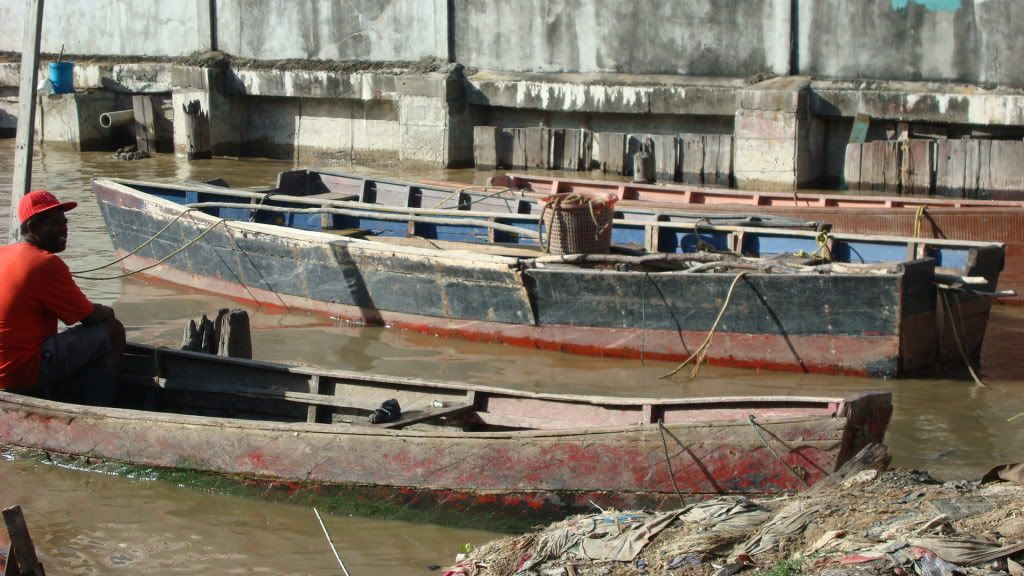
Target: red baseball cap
38 201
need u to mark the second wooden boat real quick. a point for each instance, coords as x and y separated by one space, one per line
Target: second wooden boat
455 445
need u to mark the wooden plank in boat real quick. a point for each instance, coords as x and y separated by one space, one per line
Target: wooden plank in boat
495 248
251 392
415 416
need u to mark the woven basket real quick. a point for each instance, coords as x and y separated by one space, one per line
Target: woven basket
572 226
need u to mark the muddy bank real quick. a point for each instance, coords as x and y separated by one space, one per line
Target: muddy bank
858 522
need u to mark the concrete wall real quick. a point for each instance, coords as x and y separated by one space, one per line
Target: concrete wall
113 27
975 41
378 30
707 38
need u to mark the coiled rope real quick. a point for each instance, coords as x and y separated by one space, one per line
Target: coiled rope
701 352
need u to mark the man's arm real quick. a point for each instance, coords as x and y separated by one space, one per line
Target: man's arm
100 313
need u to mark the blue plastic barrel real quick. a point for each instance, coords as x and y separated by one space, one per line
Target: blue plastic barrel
62 77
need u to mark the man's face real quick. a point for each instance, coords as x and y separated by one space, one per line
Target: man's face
50 231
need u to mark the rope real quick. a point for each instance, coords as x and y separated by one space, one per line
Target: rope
256 209
668 461
918 218
702 351
330 541
159 262
76 273
472 201
956 337
456 192
754 424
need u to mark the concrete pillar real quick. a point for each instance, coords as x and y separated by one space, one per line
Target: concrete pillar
74 119
206 85
435 126
777 145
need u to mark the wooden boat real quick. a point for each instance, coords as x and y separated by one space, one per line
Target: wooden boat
873 310
929 217
455 444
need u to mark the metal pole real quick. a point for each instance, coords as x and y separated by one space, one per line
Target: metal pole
27 111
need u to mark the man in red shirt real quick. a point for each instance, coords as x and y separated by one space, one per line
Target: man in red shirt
36 289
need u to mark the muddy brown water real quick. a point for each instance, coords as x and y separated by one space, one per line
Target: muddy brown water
87 523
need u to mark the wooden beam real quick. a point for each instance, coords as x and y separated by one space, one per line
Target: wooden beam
27 112
22 554
415 416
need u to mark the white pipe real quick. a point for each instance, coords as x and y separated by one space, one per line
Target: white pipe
116 118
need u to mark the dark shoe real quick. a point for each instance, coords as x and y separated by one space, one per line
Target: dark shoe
389 411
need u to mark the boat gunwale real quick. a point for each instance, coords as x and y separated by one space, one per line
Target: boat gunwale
11 401
911 202
590 399
763 230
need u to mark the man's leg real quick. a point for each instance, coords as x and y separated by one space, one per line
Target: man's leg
90 354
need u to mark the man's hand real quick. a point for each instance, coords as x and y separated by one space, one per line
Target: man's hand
100 313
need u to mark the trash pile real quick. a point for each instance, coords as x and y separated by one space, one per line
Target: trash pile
129 152
903 523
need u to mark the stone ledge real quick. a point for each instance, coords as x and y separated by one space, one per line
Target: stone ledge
606 93
945 103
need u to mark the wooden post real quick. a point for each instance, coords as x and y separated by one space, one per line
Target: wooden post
228 335
233 336
145 124
21 557
27 112
197 131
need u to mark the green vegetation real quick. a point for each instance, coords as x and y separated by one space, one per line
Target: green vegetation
791 567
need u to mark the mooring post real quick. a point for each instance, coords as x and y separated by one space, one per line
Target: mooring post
21 557
26 112
228 335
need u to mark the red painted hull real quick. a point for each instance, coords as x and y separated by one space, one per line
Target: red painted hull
959 219
702 449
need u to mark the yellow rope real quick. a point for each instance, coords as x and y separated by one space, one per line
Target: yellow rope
701 352
956 337
918 218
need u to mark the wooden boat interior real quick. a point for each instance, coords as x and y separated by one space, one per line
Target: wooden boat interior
506 224
173 381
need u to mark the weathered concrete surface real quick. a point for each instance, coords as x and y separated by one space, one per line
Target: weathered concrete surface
974 41
8 116
73 119
379 30
772 129
939 102
135 28
606 93
693 38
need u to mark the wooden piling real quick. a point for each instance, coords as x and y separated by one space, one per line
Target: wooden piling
229 335
27 112
21 556
145 124
197 131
